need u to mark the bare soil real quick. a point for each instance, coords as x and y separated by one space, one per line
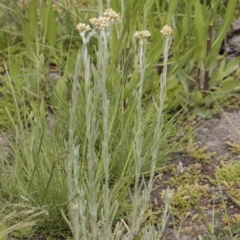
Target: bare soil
213 135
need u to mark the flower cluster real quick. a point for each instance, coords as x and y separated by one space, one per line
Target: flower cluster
109 17
142 34
112 15
166 31
100 22
82 27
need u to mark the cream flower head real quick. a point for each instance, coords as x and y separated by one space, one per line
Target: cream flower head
112 15
109 17
166 31
142 34
82 27
100 22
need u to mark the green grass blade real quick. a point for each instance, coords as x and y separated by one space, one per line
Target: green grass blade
222 31
32 15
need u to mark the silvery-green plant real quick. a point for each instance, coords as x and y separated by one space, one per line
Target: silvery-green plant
86 217
141 191
76 191
83 185
92 155
140 199
167 31
159 103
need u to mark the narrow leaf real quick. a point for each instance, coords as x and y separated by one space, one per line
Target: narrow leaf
32 15
51 26
222 31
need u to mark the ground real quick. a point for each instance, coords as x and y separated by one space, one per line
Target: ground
200 199
205 176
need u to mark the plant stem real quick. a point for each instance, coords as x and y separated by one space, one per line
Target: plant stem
209 44
162 96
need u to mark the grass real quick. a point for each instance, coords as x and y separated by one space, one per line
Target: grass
88 147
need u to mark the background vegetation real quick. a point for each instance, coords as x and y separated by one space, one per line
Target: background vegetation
39 50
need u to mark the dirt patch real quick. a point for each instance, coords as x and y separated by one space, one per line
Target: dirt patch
215 204
217 131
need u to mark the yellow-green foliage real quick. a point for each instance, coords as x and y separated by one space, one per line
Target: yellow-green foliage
235 219
3 228
6 103
229 176
234 147
198 153
188 191
191 174
8 109
185 197
229 102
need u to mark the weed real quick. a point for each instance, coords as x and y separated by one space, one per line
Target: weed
95 164
234 147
